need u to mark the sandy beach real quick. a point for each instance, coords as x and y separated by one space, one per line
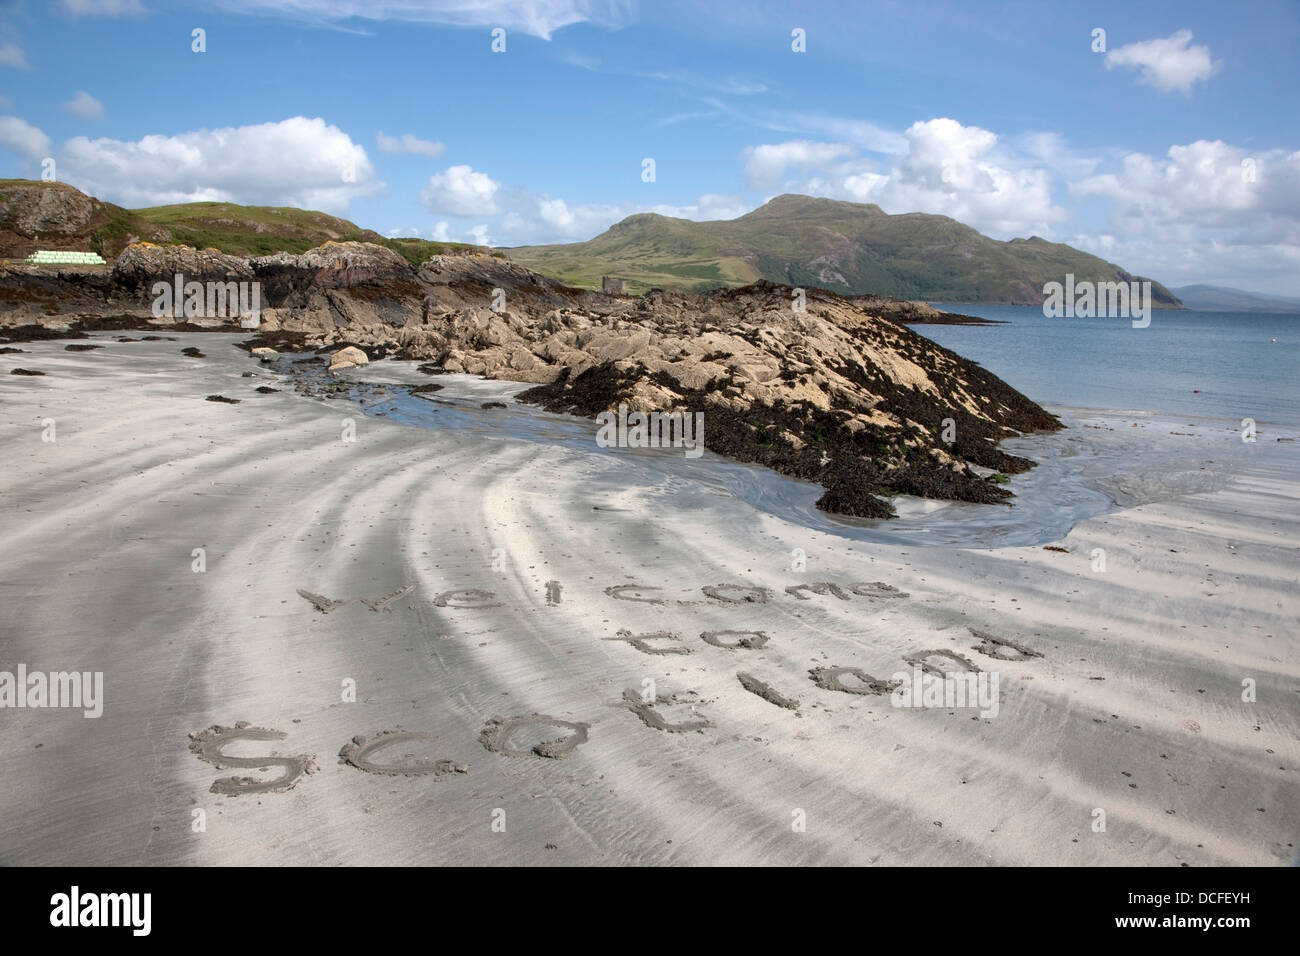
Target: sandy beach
541 582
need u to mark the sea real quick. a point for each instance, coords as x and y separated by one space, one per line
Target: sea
1229 365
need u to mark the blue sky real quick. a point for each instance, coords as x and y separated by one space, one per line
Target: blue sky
1174 153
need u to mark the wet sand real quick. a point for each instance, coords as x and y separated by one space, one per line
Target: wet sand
551 600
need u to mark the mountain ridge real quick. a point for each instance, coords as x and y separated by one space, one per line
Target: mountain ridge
1203 297
847 248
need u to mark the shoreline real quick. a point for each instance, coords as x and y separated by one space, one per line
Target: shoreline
1032 518
1134 705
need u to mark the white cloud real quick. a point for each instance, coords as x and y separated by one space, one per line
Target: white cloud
950 170
1269 267
460 191
1167 63
103 8
297 162
539 18
21 137
406 143
766 164
85 106
556 213
1204 211
441 232
479 236
11 54
1205 183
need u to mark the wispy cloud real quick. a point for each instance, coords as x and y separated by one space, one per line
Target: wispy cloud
11 54
539 18
406 143
858 132
688 80
686 117
102 8
862 133
85 106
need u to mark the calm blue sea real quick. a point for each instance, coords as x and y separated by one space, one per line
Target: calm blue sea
1212 364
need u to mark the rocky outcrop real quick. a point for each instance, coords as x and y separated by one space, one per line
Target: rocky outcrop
141 264
335 265
36 210
840 392
860 404
37 215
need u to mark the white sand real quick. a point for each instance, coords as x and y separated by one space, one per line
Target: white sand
98 527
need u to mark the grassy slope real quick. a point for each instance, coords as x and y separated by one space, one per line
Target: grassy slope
861 249
262 230
230 228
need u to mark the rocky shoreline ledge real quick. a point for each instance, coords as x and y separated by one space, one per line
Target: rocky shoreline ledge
842 392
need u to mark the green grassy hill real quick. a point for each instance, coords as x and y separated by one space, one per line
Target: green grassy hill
850 248
43 215
263 230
